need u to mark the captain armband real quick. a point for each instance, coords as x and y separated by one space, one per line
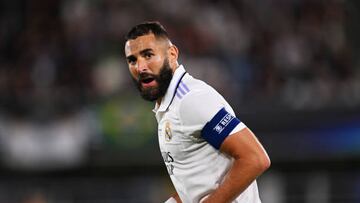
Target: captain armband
219 127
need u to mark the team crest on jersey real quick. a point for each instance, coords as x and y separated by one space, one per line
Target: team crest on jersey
168 134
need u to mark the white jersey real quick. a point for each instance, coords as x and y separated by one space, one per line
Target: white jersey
185 116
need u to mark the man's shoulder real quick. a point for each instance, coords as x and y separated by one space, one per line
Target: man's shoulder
200 96
199 93
196 87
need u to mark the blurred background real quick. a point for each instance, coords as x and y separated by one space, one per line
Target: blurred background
74 129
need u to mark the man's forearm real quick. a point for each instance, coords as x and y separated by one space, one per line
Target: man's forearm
239 177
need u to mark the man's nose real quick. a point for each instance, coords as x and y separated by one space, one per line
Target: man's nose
142 66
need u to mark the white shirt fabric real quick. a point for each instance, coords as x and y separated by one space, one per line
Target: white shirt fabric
195 167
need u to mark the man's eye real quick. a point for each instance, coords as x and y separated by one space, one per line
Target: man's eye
148 55
131 61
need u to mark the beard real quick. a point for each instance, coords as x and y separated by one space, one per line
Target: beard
163 80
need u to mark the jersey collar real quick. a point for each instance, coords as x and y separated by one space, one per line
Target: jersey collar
170 93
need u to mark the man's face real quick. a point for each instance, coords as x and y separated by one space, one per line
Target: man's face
149 66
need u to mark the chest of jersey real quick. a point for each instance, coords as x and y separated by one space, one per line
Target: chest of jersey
178 143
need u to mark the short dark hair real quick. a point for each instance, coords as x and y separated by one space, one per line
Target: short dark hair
146 28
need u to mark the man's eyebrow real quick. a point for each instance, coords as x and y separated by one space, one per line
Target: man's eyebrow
142 52
145 51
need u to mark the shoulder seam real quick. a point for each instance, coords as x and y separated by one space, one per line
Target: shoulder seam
182 90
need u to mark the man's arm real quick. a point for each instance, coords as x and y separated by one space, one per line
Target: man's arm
250 160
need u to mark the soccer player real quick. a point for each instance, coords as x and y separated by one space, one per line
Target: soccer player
210 155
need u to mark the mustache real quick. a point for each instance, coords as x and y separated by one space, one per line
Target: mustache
143 76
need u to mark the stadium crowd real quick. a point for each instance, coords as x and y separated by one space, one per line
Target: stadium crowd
60 56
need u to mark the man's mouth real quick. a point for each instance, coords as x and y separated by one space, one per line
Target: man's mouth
148 81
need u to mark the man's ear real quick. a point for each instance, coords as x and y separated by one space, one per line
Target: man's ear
173 54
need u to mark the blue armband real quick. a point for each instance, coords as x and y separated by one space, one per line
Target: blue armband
218 128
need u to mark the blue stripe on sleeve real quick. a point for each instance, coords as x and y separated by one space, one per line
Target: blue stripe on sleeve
218 128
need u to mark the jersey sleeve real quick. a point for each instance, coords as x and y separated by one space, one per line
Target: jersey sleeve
210 113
